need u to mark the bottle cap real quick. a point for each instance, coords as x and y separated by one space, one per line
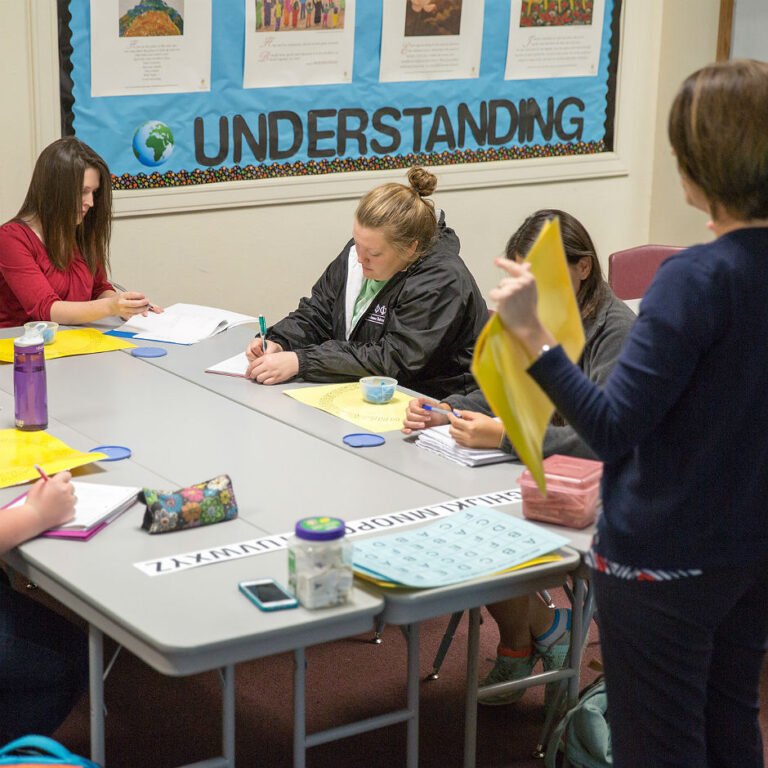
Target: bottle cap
320 528
32 336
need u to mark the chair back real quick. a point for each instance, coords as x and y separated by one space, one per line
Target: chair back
630 271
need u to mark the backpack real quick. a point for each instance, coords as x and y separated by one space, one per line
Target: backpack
583 735
40 752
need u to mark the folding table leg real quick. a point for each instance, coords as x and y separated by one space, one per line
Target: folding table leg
96 685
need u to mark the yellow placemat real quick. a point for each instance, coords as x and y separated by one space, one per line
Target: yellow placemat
80 341
22 450
346 402
365 576
500 363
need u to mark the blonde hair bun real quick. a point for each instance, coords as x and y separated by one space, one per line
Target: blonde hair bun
422 181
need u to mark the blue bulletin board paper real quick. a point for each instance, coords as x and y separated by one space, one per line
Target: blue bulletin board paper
232 133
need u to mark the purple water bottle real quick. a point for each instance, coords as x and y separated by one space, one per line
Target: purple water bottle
30 392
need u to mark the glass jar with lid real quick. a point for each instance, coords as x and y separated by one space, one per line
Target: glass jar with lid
320 562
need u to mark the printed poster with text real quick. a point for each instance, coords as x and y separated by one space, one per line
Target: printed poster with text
554 39
424 40
141 47
298 42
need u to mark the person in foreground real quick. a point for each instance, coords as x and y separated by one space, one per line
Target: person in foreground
54 252
397 301
680 560
530 630
43 658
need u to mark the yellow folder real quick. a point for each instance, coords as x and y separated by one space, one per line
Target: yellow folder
80 341
500 363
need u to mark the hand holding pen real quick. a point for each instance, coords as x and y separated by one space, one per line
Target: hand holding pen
132 302
259 345
52 499
424 412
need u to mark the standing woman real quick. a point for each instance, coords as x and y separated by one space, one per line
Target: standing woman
54 252
680 561
397 301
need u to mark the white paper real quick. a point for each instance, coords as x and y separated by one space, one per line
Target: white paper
554 49
95 503
150 46
184 323
291 50
232 366
439 41
438 440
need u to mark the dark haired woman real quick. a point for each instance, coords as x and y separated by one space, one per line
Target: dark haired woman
606 320
397 301
680 561
528 629
54 252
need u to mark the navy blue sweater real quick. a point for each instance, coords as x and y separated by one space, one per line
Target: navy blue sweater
682 421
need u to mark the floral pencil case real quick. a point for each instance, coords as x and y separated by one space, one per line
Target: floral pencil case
212 501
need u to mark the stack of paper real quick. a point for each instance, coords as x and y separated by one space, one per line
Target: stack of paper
183 324
470 544
438 440
96 506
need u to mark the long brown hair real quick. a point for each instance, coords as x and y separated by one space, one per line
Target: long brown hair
577 244
54 197
402 213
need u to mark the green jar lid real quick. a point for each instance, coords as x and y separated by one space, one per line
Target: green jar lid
320 528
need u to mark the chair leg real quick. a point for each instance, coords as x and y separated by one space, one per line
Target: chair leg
378 628
445 644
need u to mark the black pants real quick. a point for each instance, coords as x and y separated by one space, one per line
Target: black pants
43 666
682 663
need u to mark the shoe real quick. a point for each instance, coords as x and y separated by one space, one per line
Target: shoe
553 658
506 669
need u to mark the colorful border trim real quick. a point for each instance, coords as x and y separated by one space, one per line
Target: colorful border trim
344 165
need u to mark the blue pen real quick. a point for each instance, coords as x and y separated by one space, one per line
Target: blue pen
444 411
263 332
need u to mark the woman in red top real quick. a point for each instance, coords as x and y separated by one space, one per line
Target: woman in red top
54 252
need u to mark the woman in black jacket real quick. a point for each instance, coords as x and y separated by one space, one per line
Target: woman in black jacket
397 301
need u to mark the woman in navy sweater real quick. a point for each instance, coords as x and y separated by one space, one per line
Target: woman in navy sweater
680 560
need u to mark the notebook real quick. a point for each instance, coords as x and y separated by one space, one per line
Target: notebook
97 505
437 440
232 366
182 324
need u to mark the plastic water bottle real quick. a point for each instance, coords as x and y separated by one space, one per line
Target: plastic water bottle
30 392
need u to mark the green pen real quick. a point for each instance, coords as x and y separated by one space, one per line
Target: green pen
263 332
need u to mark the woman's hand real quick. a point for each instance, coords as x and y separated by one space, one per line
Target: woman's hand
273 367
254 349
53 501
417 418
129 303
476 430
516 299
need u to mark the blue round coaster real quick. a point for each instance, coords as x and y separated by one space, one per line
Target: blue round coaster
148 352
363 440
114 452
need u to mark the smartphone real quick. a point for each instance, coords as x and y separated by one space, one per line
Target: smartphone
267 594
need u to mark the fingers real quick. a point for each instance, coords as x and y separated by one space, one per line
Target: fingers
254 350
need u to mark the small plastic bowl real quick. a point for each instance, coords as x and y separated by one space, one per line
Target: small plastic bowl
48 329
378 389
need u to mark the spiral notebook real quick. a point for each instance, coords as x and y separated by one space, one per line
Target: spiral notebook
97 505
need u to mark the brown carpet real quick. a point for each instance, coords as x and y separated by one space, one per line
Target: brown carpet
162 722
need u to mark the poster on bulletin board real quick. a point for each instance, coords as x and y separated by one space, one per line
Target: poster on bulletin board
175 93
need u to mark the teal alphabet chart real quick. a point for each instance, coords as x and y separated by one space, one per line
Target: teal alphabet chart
472 543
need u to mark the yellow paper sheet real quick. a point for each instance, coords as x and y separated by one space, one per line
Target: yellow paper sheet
365 576
22 450
346 402
500 363
80 341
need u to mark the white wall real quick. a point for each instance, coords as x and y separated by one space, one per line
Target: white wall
262 258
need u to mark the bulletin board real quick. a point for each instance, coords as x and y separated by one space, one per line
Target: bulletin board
254 118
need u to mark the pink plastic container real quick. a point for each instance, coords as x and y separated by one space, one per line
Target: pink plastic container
573 489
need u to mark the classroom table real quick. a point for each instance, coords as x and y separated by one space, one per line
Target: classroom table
183 430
